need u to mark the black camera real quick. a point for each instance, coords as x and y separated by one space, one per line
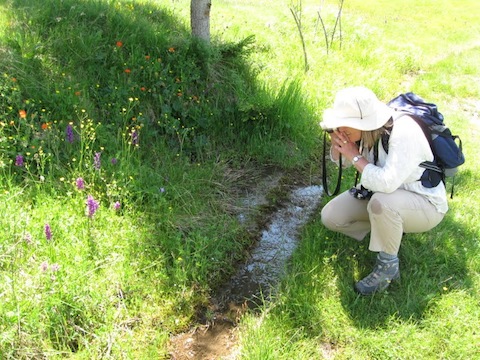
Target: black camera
327 129
361 194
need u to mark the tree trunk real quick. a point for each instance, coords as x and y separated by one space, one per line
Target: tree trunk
200 18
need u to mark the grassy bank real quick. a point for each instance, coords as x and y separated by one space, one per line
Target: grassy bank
123 145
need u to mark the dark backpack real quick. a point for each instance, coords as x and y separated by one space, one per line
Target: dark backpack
448 155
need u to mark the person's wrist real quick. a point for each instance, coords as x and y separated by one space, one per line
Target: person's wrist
356 158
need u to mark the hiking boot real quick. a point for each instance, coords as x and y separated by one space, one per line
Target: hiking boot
380 278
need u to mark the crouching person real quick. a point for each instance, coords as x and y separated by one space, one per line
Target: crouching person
390 199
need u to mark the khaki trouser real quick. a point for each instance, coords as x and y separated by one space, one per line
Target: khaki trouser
386 216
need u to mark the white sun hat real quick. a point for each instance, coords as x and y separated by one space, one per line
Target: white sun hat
358 108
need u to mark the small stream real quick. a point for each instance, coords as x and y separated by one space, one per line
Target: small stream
256 278
267 261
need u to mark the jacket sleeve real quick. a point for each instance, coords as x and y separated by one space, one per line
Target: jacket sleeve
408 147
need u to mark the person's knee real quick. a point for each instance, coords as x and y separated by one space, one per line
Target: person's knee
327 218
382 207
375 206
324 216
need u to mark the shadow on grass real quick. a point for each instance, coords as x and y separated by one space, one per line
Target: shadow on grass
327 264
194 97
431 264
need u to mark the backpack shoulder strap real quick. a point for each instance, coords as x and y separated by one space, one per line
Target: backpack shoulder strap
430 165
426 130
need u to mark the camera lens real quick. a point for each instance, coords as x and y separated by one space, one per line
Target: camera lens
361 194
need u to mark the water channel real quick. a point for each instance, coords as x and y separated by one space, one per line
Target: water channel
256 278
267 262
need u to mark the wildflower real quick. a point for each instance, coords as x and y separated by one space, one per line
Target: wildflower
48 232
147 57
44 266
44 126
92 206
143 88
117 205
171 50
69 133
27 238
134 137
80 183
22 114
119 44
77 93
96 161
114 161
127 71
55 267
162 190
19 161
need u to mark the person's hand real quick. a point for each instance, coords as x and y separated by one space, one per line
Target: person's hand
342 144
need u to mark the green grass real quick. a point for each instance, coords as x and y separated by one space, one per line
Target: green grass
175 122
432 312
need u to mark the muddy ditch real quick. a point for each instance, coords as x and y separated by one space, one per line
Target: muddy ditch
276 207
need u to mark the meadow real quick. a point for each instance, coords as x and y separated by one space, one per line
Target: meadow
123 144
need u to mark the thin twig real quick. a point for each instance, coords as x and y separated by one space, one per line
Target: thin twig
324 30
299 27
337 22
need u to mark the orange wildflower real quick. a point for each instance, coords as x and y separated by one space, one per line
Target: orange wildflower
147 57
143 88
119 44
77 93
46 125
171 50
128 71
23 114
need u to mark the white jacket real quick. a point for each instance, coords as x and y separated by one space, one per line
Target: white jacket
399 169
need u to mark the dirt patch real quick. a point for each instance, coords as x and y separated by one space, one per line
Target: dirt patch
207 342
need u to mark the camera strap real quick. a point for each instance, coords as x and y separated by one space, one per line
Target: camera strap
324 170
